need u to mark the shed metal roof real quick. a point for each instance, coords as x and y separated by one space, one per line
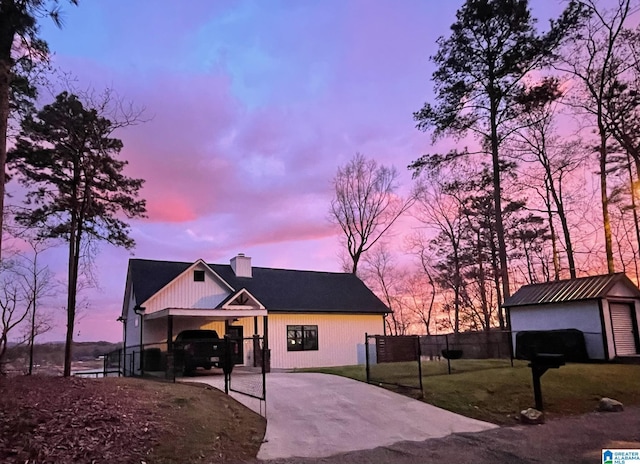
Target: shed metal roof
561 291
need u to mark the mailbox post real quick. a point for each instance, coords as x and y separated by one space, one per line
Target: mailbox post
539 364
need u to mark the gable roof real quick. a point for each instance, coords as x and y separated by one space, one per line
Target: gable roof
562 291
279 290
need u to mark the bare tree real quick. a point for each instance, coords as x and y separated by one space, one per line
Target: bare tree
421 291
441 213
13 311
536 142
385 278
365 204
597 58
38 284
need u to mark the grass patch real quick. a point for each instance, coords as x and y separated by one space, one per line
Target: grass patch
490 391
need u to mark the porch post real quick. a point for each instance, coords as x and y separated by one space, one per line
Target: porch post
255 325
265 344
170 334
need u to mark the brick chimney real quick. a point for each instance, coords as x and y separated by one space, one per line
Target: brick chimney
241 265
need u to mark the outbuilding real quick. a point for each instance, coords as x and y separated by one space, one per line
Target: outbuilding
605 308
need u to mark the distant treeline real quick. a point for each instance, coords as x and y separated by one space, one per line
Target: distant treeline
53 353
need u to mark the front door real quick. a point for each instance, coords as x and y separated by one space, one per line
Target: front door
624 329
236 334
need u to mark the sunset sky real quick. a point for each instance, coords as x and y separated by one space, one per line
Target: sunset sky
252 105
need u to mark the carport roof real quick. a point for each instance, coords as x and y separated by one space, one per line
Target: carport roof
277 289
561 291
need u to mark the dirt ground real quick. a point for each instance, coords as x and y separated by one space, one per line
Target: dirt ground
122 420
569 440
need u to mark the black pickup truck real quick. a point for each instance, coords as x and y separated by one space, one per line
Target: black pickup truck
198 348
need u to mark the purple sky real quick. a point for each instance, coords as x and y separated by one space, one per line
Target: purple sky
253 106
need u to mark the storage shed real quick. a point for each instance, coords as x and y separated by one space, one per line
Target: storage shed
606 308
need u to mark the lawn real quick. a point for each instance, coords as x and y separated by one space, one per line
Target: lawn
122 420
492 391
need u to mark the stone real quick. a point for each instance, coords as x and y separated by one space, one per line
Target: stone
610 405
531 416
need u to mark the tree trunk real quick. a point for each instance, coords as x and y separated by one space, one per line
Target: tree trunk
5 73
608 242
497 199
34 296
554 238
634 209
7 32
74 256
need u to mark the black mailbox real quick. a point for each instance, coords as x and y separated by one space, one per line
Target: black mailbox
547 360
539 364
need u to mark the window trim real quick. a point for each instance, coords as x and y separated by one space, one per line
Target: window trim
299 344
198 275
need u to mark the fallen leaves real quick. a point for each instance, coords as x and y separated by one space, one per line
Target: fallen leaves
59 420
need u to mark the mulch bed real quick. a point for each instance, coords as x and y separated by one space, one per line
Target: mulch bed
74 420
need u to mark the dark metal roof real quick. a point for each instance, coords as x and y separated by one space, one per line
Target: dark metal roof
277 289
560 291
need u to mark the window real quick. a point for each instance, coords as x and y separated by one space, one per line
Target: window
302 338
198 276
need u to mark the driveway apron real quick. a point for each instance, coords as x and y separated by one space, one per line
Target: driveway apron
317 415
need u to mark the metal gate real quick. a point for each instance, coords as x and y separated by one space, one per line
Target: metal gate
623 329
249 379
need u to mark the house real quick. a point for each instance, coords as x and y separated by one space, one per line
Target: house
606 308
307 318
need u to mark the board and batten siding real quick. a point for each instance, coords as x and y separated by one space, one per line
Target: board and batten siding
338 338
183 292
581 315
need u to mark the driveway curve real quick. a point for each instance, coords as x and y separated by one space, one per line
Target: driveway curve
318 415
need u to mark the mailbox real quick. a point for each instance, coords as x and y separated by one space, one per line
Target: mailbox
539 364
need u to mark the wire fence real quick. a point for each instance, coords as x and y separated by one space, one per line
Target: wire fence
466 351
402 362
230 364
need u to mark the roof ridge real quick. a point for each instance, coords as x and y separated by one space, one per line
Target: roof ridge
229 265
615 274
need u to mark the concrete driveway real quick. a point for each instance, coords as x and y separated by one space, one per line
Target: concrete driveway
317 415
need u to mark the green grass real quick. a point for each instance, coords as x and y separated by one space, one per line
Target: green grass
492 391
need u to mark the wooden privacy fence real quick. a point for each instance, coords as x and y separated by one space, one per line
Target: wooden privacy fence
397 348
391 351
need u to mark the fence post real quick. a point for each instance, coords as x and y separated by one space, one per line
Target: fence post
446 340
511 347
264 376
420 366
366 355
224 361
104 365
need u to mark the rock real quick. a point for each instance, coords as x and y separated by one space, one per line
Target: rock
531 416
610 405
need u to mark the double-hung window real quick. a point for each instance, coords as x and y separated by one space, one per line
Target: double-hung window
302 338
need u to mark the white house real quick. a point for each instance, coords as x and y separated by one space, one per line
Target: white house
606 308
308 319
